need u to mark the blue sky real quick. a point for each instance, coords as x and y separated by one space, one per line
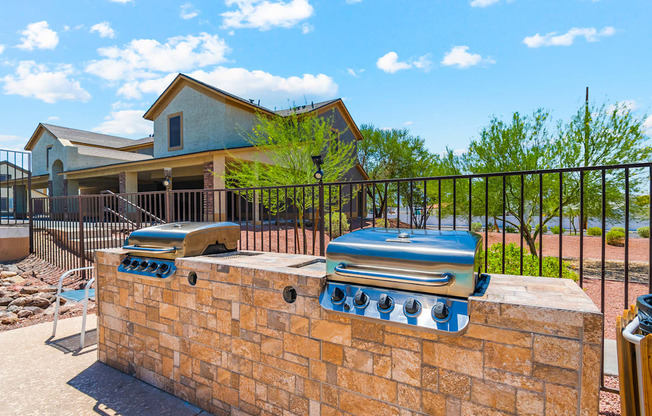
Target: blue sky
439 67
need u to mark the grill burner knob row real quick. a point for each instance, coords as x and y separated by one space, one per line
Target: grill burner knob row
126 262
338 296
440 311
361 299
412 307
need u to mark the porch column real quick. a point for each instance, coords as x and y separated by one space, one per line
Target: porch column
219 198
128 184
71 187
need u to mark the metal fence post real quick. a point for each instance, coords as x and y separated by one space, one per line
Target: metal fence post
82 253
322 239
168 215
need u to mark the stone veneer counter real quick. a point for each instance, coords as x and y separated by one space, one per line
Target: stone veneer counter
232 345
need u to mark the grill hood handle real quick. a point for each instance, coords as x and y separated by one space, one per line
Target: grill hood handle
394 275
151 249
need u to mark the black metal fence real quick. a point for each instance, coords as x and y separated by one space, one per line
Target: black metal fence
15 181
542 223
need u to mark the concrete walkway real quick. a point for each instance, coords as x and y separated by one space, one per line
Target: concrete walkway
39 376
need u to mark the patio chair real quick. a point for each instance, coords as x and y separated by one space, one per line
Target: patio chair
75 296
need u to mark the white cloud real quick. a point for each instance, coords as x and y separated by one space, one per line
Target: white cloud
353 1
460 57
188 12
622 107
37 81
390 63
12 142
2 49
408 123
306 28
483 3
103 29
120 1
354 73
125 123
38 36
266 14
53 118
648 126
248 84
142 58
590 34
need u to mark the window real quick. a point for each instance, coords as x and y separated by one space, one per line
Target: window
175 131
47 157
5 177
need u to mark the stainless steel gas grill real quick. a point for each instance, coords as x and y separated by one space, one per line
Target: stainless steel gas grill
152 250
420 278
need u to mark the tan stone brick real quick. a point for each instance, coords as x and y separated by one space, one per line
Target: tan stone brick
560 400
590 391
271 346
494 395
318 370
272 300
558 352
330 395
376 387
168 341
434 404
278 397
223 321
508 358
325 410
429 378
550 374
225 394
451 358
299 405
409 397
302 346
382 366
274 377
225 291
514 380
205 353
368 331
299 325
334 332
406 366
332 353
246 349
358 360
529 403
454 384
473 409
401 341
593 329
503 336
204 297
247 317
363 406
371 346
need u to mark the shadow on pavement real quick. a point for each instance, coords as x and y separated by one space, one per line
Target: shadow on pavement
119 393
70 344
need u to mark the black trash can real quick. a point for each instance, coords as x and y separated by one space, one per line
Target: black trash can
644 305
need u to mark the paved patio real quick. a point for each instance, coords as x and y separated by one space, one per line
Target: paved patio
48 377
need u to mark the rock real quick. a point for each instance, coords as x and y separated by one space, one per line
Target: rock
8 319
49 296
35 309
11 268
4 301
15 280
30 301
29 290
48 289
5 274
24 313
12 308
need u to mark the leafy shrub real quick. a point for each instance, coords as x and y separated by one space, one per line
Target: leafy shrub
510 229
380 223
545 228
616 237
332 224
555 229
621 229
594 231
550 265
476 227
643 232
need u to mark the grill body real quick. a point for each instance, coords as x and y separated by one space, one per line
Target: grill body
152 250
419 278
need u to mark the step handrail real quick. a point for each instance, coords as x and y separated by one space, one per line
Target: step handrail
108 192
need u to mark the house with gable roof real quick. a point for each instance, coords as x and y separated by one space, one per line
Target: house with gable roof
197 130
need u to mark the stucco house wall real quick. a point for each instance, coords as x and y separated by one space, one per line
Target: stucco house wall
208 124
59 151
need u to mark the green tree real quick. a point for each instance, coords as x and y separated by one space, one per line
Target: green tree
393 154
284 147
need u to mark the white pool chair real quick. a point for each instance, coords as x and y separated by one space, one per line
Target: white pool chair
75 296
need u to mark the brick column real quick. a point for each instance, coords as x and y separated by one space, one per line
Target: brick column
209 204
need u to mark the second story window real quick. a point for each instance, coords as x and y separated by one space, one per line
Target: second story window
47 157
175 131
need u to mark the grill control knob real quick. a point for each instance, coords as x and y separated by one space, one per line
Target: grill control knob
164 268
337 296
412 307
440 311
361 298
135 263
385 302
126 262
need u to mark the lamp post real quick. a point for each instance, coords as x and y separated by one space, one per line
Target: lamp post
319 175
167 182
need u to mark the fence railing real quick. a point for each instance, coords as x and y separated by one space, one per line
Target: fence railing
533 222
15 181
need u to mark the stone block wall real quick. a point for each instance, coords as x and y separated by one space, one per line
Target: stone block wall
232 345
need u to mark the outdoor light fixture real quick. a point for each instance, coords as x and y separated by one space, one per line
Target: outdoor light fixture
167 182
317 160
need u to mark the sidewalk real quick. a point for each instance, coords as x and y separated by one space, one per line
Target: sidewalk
41 377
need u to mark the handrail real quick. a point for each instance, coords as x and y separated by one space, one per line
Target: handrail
122 217
120 197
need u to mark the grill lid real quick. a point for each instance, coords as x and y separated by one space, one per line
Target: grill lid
183 239
440 262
